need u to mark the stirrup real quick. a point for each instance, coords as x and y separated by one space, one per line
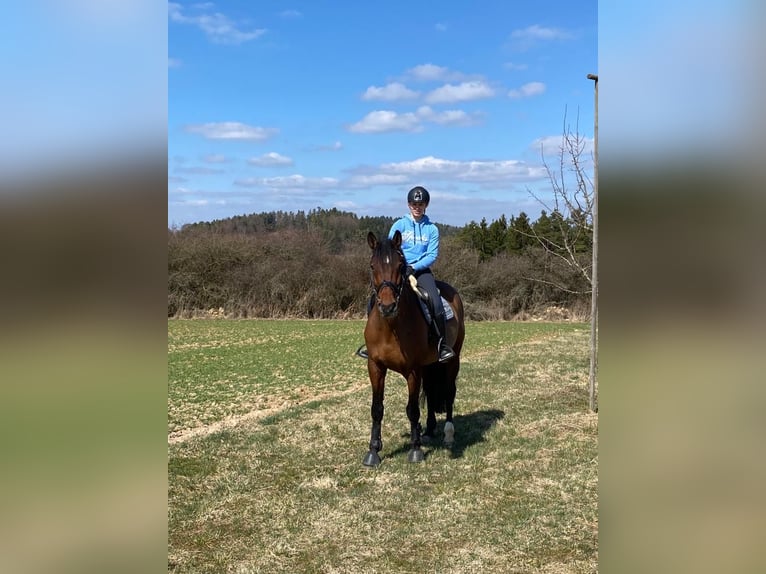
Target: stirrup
361 352
445 351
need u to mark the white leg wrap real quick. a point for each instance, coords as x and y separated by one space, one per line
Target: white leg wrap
449 433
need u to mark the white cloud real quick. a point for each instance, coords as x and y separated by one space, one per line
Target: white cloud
185 196
232 131
290 182
363 181
386 121
214 158
553 145
527 90
198 170
391 92
523 39
389 121
449 117
428 72
549 145
440 27
433 73
345 205
216 26
464 91
271 159
335 146
500 172
514 66
291 14
537 32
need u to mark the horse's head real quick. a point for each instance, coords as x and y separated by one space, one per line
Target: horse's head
387 266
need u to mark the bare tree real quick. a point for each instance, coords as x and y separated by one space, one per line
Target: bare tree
573 204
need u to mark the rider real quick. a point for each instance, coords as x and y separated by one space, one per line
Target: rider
420 245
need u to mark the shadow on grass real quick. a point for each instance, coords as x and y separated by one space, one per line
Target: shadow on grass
469 430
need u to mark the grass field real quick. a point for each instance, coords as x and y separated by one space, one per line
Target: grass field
268 422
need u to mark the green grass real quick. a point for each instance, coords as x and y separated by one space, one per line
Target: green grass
268 422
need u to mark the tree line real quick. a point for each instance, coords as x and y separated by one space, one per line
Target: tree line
316 265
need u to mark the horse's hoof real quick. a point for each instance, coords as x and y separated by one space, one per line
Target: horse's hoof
371 459
425 439
416 455
449 434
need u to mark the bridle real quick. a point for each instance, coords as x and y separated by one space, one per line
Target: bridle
395 287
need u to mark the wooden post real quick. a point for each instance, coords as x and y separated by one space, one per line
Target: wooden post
594 272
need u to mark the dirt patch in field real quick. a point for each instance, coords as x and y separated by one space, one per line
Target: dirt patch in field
257 414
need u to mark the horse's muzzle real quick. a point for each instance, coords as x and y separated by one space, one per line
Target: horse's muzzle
388 311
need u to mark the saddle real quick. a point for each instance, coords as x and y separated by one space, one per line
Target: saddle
424 301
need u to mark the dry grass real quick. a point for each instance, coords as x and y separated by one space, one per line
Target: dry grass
283 489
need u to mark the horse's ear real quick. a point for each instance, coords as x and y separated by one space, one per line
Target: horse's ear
372 241
397 239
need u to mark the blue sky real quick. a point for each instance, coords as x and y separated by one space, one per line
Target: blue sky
290 105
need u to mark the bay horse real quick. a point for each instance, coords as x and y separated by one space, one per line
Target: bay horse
397 338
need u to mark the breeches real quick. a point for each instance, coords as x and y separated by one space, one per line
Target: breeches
428 283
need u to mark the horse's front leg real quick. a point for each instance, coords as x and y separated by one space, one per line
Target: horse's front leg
413 413
378 380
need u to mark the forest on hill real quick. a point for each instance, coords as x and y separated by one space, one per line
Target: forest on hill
316 265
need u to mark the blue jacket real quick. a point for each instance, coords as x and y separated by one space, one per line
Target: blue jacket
420 240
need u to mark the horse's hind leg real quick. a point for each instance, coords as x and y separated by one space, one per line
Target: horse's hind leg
451 380
433 382
449 433
413 414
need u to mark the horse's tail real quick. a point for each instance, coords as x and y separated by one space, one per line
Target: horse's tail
434 390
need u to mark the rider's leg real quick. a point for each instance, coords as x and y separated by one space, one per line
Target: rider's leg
426 280
362 351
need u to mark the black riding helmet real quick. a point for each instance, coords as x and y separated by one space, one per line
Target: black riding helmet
418 193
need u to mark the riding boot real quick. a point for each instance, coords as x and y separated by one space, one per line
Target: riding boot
445 351
362 351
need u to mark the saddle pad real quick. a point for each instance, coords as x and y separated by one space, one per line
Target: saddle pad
448 312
